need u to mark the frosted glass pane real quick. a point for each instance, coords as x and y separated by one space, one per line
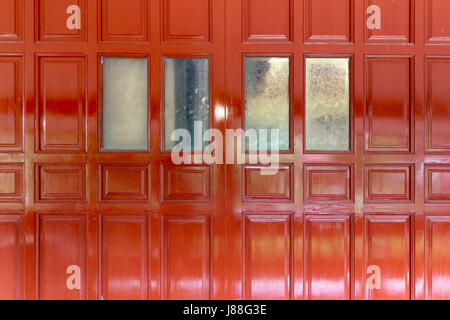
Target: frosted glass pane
186 99
125 104
327 104
267 100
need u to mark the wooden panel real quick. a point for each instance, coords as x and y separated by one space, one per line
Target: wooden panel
269 20
268 188
187 183
61 243
11 257
51 20
397 22
389 182
186 20
437 183
62 82
123 21
329 21
11 20
124 268
123 182
437 257
437 24
12 182
328 243
186 242
267 253
388 246
388 91
11 103
60 182
437 104
328 183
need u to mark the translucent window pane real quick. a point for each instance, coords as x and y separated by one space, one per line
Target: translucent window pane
125 104
186 100
327 104
267 101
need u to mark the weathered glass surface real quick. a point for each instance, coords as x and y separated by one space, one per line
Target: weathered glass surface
267 100
124 104
327 104
186 99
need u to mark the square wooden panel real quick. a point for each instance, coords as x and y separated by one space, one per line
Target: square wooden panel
124 182
389 183
123 21
12 182
437 183
397 22
389 96
186 21
61 82
11 103
51 20
268 20
11 20
187 183
329 21
437 24
328 182
277 187
60 182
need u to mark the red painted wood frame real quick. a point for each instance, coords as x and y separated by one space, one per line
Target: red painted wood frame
140 227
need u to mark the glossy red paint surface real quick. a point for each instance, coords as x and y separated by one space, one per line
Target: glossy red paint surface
140 227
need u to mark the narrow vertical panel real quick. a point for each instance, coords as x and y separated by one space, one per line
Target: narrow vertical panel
11 20
388 246
61 104
388 94
10 257
186 257
437 257
11 103
328 257
124 262
437 24
267 254
61 243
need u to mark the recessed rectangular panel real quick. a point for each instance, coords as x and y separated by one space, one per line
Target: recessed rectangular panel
187 183
396 21
123 21
327 104
11 103
11 20
437 183
124 183
11 182
389 183
437 24
61 243
186 257
268 20
388 246
437 104
11 254
124 266
328 21
328 183
328 257
267 254
389 104
267 103
124 104
186 20
53 17
186 102
261 187
61 104
60 182
437 257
